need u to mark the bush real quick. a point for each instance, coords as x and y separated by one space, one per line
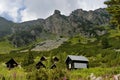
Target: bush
47 74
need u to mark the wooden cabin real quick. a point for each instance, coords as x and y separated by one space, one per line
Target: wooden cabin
40 65
55 59
53 66
43 58
76 62
11 63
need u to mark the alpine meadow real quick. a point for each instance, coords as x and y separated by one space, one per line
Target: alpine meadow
84 45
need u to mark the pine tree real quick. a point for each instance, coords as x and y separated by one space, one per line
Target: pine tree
113 7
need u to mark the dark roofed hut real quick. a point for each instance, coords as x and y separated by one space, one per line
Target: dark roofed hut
11 63
53 66
40 65
55 59
76 62
43 58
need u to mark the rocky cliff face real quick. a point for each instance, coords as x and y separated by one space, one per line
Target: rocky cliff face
58 24
79 22
86 22
97 17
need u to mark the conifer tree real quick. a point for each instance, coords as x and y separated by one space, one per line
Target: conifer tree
113 7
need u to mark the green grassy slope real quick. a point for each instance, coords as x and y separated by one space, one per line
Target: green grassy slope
5 47
89 47
102 61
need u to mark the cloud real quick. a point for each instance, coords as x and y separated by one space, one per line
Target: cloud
11 9
24 10
44 8
91 4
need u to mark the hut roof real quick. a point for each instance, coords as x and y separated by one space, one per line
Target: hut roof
11 61
55 58
77 58
53 66
43 58
39 64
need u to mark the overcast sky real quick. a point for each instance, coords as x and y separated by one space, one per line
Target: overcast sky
24 10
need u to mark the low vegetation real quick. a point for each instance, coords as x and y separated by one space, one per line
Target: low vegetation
103 58
5 47
19 73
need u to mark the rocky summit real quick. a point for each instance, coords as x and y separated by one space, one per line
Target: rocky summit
79 22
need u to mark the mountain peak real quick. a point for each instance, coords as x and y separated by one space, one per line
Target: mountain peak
57 12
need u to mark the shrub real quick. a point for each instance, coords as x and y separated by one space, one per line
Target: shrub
47 74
